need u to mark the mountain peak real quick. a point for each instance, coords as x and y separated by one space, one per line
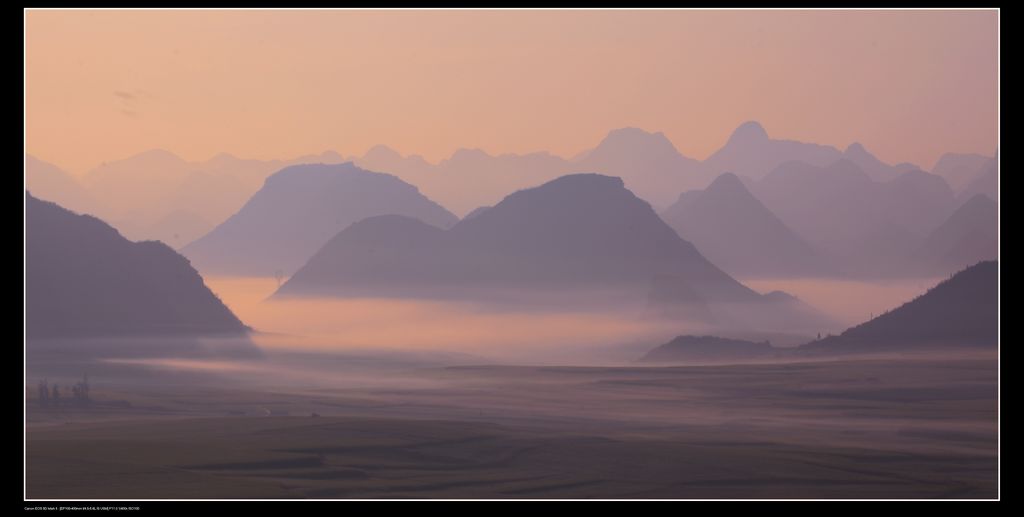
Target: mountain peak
749 131
636 137
589 180
381 151
468 154
727 182
979 201
855 148
157 155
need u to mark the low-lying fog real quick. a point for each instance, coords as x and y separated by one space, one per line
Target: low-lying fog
522 334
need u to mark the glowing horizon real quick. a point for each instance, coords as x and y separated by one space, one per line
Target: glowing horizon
104 85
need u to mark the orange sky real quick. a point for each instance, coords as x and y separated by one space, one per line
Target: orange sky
103 85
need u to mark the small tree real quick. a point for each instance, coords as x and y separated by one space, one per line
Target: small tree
279 276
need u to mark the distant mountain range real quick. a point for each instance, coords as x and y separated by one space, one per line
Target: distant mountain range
750 152
156 195
298 210
968 236
583 231
861 225
51 182
83 279
648 163
986 182
960 170
860 215
736 232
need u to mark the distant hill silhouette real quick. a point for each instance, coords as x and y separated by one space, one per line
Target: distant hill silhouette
986 183
738 233
863 226
968 236
648 163
50 182
475 212
751 152
299 209
708 348
582 231
83 279
157 195
962 310
959 170
875 169
469 177
129 189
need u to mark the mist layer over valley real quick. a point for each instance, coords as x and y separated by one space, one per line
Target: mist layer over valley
511 254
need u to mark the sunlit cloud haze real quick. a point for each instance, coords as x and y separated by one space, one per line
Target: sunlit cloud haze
102 85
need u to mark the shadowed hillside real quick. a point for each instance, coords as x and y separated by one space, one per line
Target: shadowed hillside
963 310
739 234
298 210
582 231
83 279
707 348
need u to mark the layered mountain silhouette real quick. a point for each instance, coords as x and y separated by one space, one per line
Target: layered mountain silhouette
475 212
83 279
156 195
298 210
581 231
470 177
985 183
751 152
51 182
960 169
648 163
863 226
875 169
968 236
736 232
963 310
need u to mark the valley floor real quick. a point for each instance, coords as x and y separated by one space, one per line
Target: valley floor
915 427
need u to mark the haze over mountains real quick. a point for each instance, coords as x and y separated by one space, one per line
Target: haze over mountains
858 215
50 182
83 279
986 182
648 163
864 226
751 152
963 310
583 230
738 233
156 195
961 169
574 236
705 348
299 209
968 236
